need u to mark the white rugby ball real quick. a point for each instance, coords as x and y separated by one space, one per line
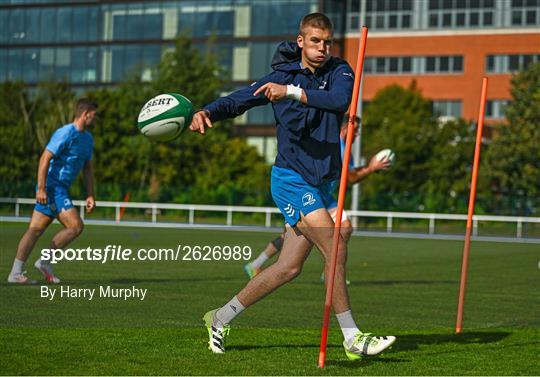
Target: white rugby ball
165 116
386 154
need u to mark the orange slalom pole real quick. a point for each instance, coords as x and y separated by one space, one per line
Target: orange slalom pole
123 208
341 196
472 199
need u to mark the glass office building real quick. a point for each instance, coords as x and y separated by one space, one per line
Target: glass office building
97 43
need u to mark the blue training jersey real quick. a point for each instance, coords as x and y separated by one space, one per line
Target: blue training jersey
351 159
72 149
307 135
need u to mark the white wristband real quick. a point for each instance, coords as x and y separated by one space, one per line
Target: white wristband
294 92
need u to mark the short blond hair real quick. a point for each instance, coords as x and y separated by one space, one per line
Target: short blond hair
316 20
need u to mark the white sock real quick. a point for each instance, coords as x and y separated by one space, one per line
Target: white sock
17 268
229 311
348 326
259 261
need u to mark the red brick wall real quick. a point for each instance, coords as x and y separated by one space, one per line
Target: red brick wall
465 86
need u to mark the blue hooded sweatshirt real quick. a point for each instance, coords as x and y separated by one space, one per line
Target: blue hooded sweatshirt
307 135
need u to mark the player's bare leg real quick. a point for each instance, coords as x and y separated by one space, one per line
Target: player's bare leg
318 227
73 227
38 224
346 231
295 250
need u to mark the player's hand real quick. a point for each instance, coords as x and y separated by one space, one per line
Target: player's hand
200 120
41 196
376 165
90 204
274 92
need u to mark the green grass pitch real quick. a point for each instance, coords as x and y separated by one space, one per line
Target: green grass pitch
401 287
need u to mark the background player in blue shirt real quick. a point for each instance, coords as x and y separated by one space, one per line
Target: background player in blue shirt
68 152
310 91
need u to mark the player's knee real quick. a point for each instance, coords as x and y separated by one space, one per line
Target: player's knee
293 272
288 273
76 229
346 229
35 232
79 228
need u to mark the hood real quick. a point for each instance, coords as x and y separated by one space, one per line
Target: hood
287 57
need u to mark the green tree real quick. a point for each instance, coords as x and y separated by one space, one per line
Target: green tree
449 167
192 168
401 119
27 122
432 157
512 160
17 143
51 106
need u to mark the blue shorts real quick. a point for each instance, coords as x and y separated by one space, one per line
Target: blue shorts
57 201
332 189
293 195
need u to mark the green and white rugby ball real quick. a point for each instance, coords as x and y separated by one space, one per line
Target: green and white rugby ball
165 117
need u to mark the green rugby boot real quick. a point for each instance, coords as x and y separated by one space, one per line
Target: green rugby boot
216 335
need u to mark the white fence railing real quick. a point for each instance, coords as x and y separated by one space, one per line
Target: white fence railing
268 211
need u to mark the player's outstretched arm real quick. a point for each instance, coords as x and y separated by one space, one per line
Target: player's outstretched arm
88 177
43 168
236 103
358 174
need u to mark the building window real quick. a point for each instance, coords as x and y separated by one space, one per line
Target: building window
31 65
457 64
4 25
15 64
31 21
48 18
463 13
83 64
277 17
495 109
448 108
393 65
381 14
16 26
525 12
431 64
3 65
260 55
510 63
